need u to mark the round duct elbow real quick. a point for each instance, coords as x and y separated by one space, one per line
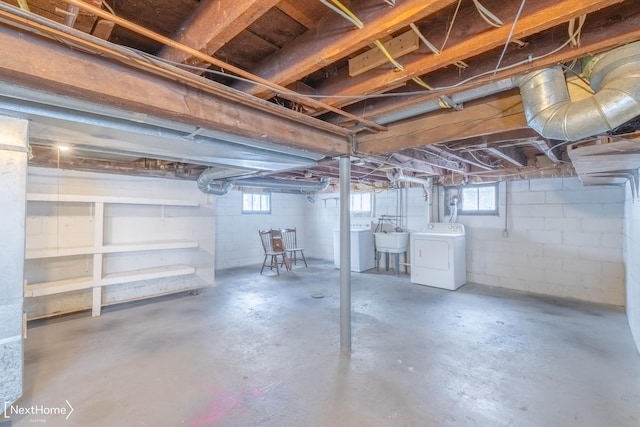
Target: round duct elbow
207 184
615 76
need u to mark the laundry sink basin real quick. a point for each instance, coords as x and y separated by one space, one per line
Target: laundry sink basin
394 242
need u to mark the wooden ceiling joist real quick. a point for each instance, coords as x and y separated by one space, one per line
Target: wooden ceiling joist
133 90
213 24
598 35
334 38
535 17
283 91
480 118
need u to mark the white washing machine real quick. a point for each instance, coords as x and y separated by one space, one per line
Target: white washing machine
362 253
438 256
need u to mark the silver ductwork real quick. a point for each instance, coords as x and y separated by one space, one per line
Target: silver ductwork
427 183
615 78
285 185
208 182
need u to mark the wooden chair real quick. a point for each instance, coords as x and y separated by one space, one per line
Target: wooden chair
273 247
291 245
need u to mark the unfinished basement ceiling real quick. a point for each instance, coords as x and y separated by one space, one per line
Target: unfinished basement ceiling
440 99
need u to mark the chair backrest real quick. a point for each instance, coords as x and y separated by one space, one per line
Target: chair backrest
265 239
289 238
276 233
270 244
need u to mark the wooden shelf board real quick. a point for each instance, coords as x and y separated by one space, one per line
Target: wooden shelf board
77 198
68 285
107 249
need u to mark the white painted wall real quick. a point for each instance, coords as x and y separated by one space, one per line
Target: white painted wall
632 266
564 239
66 225
324 216
237 239
238 243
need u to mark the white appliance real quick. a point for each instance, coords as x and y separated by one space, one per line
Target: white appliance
362 254
438 256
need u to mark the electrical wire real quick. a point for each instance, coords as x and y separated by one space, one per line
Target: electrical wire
446 37
139 55
380 95
486 14
506 44
480 161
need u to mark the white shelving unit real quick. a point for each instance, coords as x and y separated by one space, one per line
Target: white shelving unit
98 278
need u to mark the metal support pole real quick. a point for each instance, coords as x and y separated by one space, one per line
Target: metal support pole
345 256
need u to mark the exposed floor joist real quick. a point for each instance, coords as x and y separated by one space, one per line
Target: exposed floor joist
149 95
601 32
536 16
334 37
479 118
213 24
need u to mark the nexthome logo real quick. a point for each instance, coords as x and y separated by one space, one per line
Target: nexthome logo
38 412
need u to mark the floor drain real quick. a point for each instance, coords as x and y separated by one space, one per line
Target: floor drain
317 295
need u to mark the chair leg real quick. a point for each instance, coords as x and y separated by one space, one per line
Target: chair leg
304 259
264 263
275 258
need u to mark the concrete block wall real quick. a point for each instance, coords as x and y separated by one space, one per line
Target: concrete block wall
324 215
564 239
632 266
238 243
66 225
13 177
321 219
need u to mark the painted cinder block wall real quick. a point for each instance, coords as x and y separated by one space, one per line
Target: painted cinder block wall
238 244
237 239
50 225
563 239
13 177
632 262
324 215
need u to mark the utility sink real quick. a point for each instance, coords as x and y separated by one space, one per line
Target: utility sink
393 242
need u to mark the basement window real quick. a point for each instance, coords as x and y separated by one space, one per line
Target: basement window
481 199
256 203
361 204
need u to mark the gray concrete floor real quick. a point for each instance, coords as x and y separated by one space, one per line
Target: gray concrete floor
263 351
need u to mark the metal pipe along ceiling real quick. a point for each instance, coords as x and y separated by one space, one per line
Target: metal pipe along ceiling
614 76
206 183
283 184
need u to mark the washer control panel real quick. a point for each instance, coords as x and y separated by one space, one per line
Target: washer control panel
444 228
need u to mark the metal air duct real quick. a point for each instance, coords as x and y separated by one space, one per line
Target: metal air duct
614 76
207 183
283 184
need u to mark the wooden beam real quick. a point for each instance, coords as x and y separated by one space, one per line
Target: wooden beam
103 29
213 24
488 116
145 94
334 38
396 47
602 31
306 12
536 17
284 92
510 154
